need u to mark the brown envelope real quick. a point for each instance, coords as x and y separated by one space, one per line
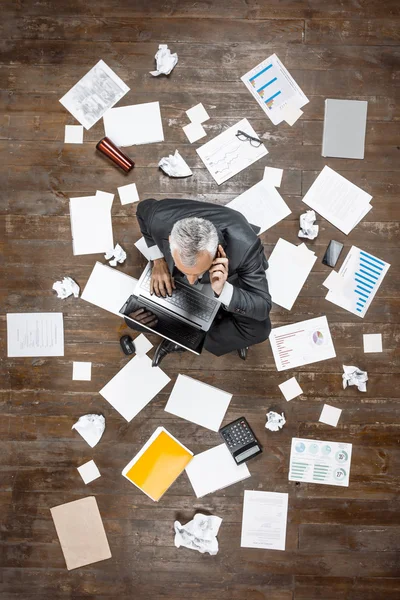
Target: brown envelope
81 532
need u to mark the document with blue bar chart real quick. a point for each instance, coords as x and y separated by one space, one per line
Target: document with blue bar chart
317 461
357 281
274 88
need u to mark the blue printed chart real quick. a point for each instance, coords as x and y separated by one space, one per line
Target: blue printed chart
274 88
359 279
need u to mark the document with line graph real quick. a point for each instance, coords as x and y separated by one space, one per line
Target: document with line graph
274 88
226 155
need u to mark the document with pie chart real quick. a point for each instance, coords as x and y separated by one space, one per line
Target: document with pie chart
302 343
316 461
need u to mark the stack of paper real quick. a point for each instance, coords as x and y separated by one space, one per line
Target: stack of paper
132 125
357 282
262 205
91 224
344 128
289 267
158 464
109 289
338 200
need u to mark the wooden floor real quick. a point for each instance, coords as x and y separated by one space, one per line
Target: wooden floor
342 543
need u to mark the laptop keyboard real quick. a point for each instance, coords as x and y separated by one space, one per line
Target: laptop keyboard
184 298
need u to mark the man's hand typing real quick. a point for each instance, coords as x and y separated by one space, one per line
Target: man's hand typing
161 283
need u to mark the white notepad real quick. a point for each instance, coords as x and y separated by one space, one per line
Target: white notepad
136 124
214 470
91 224
198 402
344 128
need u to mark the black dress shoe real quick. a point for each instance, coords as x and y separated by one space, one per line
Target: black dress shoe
243 353
164 348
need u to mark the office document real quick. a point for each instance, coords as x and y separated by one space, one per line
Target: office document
264 520
262 205
289 267
357 281
108 288
135 124
275 89
226 155
301 343
35 334
338 200
316 461
91 224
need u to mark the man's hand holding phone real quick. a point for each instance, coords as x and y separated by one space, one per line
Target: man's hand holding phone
219 271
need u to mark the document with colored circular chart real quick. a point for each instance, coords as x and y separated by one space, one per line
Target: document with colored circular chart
316 461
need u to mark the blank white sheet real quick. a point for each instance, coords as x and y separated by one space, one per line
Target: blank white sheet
214 470
132 388
273 176
108 288
198 402
372 342
35 334
135 124
81 371
262 205
91 224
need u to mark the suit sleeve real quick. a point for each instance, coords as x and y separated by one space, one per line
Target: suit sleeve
144 214
251 297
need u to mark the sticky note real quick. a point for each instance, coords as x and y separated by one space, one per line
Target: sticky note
89 471
73 134
290 389
330 415
81 371
273 176
142 345
291 114
194 132
128 193
372 342
198 114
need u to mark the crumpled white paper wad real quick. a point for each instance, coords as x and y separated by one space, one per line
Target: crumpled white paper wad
275 421
354 376
117 254
165 61
199 534
307 227
174 165
66 288
91 428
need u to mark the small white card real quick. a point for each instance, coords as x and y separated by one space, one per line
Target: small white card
372 342
81 371
142 345
198 114
73 134
194 132
89 471
291 114
290 389
330 415
264 520
273 176
128 193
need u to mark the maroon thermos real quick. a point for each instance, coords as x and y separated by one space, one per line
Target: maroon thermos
107 147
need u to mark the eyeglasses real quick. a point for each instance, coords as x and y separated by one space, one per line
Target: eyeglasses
245 137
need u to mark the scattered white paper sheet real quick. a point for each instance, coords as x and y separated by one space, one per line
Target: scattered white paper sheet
273 176
372 342
35 334
89 471
290 389
165 61
149 253
81 532
132 388
197 114
338 200
73 134
66 288
174 166
264 520
199 534
225 155
291 114
95 93
81 371
354 376
330 415
262 205
301 343
198 402
274 88
288 269
308 229
128 193
316 461
142 345
194 132
117 255
275 421
91 428
135 124
109 289
359 279
91 224
214 470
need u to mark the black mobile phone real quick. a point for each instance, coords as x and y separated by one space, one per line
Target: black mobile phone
332 253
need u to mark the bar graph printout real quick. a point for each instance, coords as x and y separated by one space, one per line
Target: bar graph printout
274 88
302 343
359 279
317 461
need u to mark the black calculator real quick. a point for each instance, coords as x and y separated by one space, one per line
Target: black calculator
241 441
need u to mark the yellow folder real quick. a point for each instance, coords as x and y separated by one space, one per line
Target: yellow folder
156 466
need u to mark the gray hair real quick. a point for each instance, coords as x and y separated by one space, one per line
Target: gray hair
191 236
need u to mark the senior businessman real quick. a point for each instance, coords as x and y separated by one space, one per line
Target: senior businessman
199 241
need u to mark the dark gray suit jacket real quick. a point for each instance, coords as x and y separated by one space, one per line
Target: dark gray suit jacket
247 262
